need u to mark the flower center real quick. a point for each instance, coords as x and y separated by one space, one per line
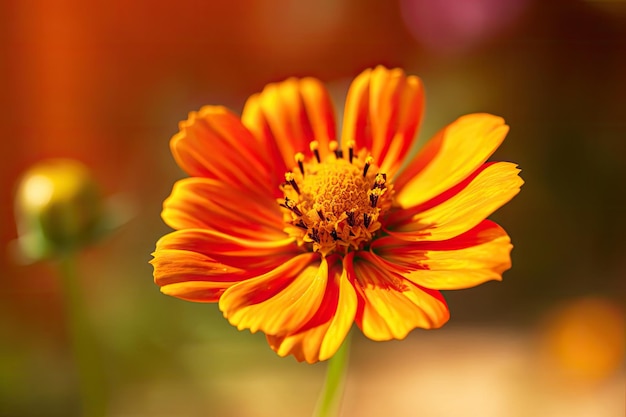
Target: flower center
334 205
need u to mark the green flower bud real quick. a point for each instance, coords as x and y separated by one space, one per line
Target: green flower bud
58 208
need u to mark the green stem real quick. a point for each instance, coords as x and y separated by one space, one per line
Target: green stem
83 344
330 397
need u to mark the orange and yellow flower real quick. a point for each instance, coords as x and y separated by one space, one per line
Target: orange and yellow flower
298 234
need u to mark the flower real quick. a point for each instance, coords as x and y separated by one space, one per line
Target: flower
299 236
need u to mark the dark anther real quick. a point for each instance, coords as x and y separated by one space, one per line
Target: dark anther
296 210
301 225
301 166
368 162
374 199
314 235
319 213
288 204
334 235
314 148
350 220
350 154
379 181
295 186
366 220
338 153
291 180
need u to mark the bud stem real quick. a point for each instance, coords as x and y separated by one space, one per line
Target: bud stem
90 372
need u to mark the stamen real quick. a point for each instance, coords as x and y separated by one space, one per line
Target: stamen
380 181
334 147
289 204
301 225
314 145
319 213
368 161
374 195
300 160
333 234
291 180
366 220
315 235
350 219
351 151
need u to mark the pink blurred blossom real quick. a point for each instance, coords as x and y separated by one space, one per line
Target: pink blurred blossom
455 26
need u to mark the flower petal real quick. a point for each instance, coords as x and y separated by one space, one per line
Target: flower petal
199 265
390 306
197 291
450 157
184 269
213 143
382 114
459 210
320 338
280 301
287 116
478 255
207 203
259 255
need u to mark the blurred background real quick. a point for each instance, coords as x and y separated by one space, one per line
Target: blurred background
106 82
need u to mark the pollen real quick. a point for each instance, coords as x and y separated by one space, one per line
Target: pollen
337 204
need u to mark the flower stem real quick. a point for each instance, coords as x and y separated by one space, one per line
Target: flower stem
330 397
83 344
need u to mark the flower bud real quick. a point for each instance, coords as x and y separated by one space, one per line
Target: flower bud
58 208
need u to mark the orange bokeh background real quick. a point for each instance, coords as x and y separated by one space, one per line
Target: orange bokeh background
106 82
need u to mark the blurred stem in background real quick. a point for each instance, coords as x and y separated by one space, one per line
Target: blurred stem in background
330 398
84 347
